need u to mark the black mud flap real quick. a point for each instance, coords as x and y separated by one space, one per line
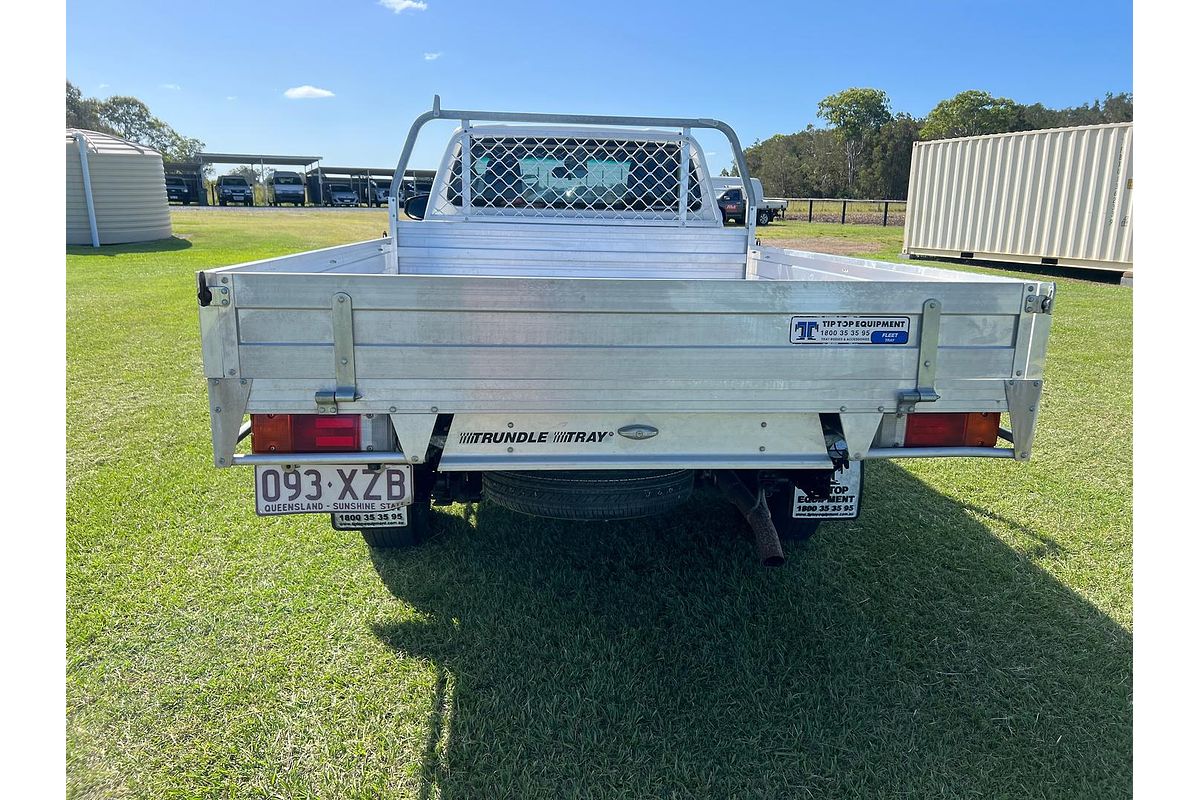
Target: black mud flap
844 500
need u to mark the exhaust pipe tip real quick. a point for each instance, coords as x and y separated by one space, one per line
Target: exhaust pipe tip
754 509
766 538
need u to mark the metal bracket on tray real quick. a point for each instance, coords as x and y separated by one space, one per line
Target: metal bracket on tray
345 389
927 350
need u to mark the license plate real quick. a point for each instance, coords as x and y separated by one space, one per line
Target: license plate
354 520
310 489
845 489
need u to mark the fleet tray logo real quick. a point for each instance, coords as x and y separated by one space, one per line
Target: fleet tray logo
533 437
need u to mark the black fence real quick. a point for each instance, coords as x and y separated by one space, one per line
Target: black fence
846 211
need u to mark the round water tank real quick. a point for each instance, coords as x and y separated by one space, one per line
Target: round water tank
128 190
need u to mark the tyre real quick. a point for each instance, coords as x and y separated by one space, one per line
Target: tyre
409 535
790 529
221 202
589 494
250 203
764 218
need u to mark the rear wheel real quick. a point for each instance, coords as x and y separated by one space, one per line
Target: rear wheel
589 494
764 218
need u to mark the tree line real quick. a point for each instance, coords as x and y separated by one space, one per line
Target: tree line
866 151
130 119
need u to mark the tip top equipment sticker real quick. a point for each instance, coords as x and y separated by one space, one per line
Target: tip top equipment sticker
850 330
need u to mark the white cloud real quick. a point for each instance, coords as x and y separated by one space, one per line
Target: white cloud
305 92
102 86
432 56
404 5
231 97
174 87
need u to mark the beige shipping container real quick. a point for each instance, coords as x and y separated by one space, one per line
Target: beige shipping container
129 192
1058 197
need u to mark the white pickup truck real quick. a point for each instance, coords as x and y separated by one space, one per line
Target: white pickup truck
564 327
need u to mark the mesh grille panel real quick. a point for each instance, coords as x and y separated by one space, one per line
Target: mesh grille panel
573 177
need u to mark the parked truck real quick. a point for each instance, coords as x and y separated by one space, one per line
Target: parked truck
732 202
287 187
179 190
234 189
565 327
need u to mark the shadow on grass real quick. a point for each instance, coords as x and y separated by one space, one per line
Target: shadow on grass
909 652
157 246
1041 270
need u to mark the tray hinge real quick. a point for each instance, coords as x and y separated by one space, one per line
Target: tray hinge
345 389
1039 303
212 295
927 350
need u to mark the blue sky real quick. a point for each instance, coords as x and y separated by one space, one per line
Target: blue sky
219 70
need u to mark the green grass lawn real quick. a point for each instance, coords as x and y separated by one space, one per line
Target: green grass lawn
871 240
968 636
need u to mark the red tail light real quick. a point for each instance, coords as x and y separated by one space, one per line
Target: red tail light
305 433
977 429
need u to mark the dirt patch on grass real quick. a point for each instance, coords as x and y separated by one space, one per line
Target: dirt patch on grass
824 244
895 218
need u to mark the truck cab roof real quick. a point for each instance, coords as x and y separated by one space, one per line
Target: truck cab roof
723 184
